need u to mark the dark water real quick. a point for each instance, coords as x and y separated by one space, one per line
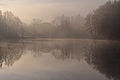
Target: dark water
60 60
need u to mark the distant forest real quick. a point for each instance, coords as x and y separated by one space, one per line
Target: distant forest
102 23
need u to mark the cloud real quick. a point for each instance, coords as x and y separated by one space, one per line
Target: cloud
2 4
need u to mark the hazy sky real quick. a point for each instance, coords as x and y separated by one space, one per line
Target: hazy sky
48 9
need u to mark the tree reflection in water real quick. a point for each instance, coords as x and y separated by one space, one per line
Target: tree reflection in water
63 49
10 53
104 56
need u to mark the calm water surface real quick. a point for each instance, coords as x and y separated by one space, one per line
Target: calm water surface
60 60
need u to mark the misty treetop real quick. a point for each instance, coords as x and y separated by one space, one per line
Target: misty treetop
10 26
104 22
61 27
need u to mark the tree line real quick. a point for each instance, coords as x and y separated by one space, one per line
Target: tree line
11 27
102 23
60 27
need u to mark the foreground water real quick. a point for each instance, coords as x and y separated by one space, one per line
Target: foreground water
60 60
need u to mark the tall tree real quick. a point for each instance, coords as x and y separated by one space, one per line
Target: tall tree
104 21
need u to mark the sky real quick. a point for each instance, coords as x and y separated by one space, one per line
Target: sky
46 10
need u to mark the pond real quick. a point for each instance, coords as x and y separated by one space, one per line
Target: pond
60 60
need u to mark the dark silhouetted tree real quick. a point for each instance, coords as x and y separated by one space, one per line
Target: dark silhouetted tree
104 21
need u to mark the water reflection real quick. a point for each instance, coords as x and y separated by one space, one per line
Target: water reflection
102 56
105 58
63 49
10 53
